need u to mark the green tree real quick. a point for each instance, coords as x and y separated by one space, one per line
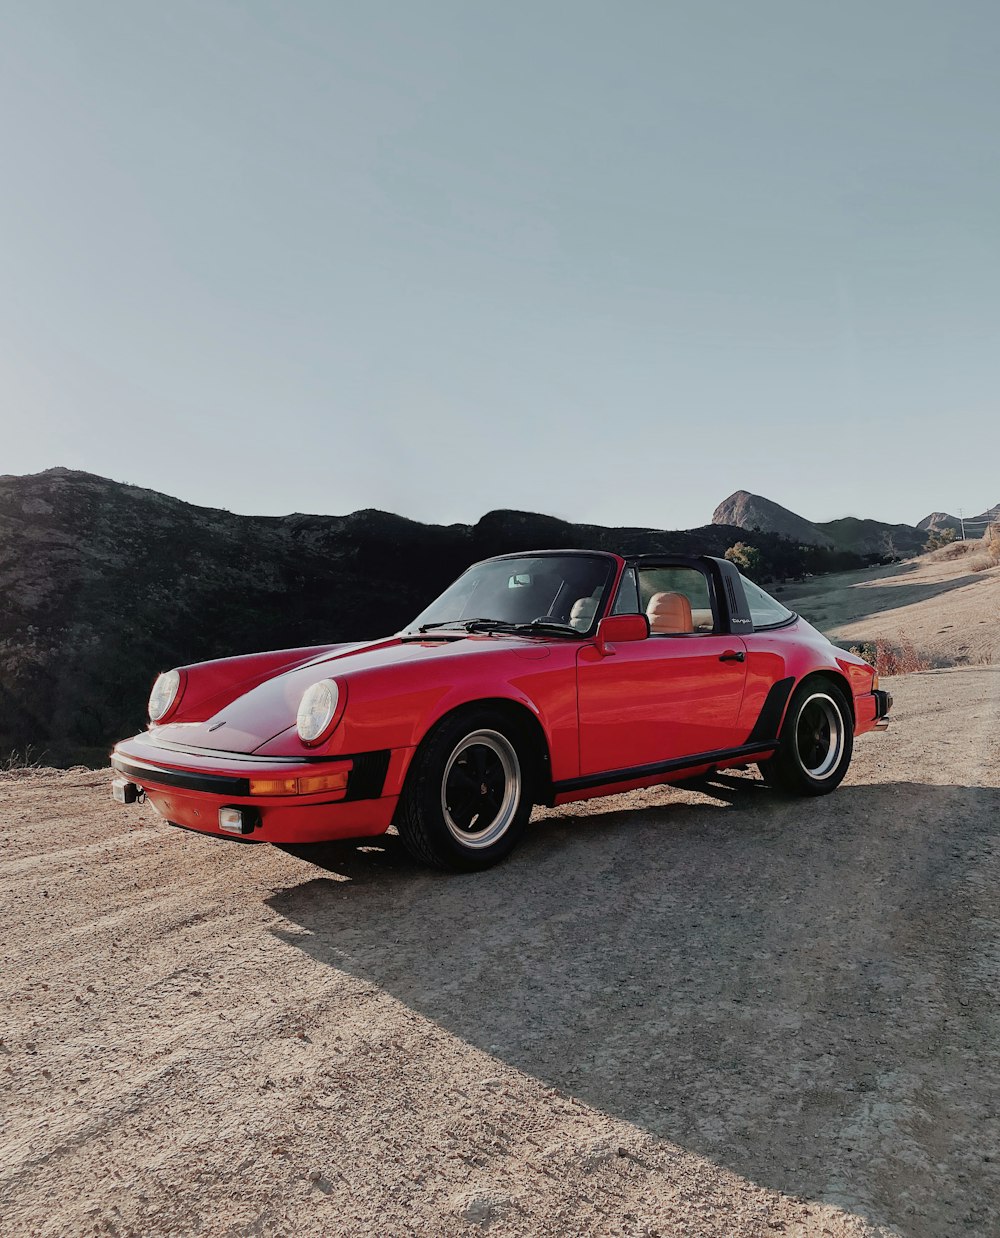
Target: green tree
747 558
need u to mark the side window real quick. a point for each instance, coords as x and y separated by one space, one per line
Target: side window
676 600
627 601
765 611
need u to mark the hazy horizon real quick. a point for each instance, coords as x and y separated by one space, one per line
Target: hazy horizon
610 264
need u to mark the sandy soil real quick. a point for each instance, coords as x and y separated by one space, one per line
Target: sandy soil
722 1014
948 611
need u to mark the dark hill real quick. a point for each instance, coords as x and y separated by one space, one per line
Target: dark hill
874 537
105 584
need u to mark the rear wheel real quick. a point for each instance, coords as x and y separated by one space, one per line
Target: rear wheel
816 741
467 799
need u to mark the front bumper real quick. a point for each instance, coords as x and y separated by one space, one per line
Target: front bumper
189 788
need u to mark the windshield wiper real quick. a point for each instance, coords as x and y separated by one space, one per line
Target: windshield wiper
536 625
548 625
501 625
451 623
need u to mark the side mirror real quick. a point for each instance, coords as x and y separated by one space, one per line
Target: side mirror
619 629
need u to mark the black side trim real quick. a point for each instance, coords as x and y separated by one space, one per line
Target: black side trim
636 772
215 784
367 778
769 719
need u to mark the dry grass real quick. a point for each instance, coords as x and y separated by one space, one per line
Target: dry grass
29 758
980 553
892 659
955 550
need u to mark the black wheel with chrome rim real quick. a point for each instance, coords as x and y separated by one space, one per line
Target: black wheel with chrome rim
481 789
816 742
467 799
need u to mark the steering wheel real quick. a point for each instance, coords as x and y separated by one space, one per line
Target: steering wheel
550 619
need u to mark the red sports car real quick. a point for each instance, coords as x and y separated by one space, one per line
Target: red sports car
534 678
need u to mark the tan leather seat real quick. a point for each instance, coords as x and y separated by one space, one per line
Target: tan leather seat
581 616
669 612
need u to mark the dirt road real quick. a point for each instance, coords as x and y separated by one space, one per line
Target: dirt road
670 1013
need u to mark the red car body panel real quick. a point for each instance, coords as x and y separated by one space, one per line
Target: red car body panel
600 710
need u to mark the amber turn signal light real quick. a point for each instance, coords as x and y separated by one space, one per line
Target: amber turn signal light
274 786
323 782
299 786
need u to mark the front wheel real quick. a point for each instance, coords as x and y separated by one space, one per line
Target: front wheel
816 742
467 799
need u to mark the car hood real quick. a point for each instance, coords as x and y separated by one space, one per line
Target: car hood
267 710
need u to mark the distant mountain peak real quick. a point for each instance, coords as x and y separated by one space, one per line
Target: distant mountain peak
753 511
850 533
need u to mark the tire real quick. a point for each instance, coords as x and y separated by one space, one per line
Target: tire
467 797
815 744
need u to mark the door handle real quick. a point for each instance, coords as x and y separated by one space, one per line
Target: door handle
733 655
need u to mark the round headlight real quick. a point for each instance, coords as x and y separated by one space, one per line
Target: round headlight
316 711
164 694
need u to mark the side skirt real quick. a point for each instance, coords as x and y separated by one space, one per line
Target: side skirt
660 769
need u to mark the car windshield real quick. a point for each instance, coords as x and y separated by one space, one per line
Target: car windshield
547 592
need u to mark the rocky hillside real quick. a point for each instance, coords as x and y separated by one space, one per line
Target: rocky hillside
104 585
937 522
753 511
849 534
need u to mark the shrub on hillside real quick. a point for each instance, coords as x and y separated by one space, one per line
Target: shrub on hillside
991 541
889 659
939 538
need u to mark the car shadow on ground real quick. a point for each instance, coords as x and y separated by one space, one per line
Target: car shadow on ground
801 990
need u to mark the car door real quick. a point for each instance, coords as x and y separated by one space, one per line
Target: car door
676 694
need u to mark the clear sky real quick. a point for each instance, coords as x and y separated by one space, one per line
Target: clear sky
610 261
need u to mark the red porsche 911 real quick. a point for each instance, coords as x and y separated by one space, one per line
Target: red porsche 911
535 678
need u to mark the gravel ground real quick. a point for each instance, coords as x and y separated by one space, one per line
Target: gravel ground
669 1013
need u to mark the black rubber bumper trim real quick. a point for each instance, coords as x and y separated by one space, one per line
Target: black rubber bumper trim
214 784
883 703
365 781
635 772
